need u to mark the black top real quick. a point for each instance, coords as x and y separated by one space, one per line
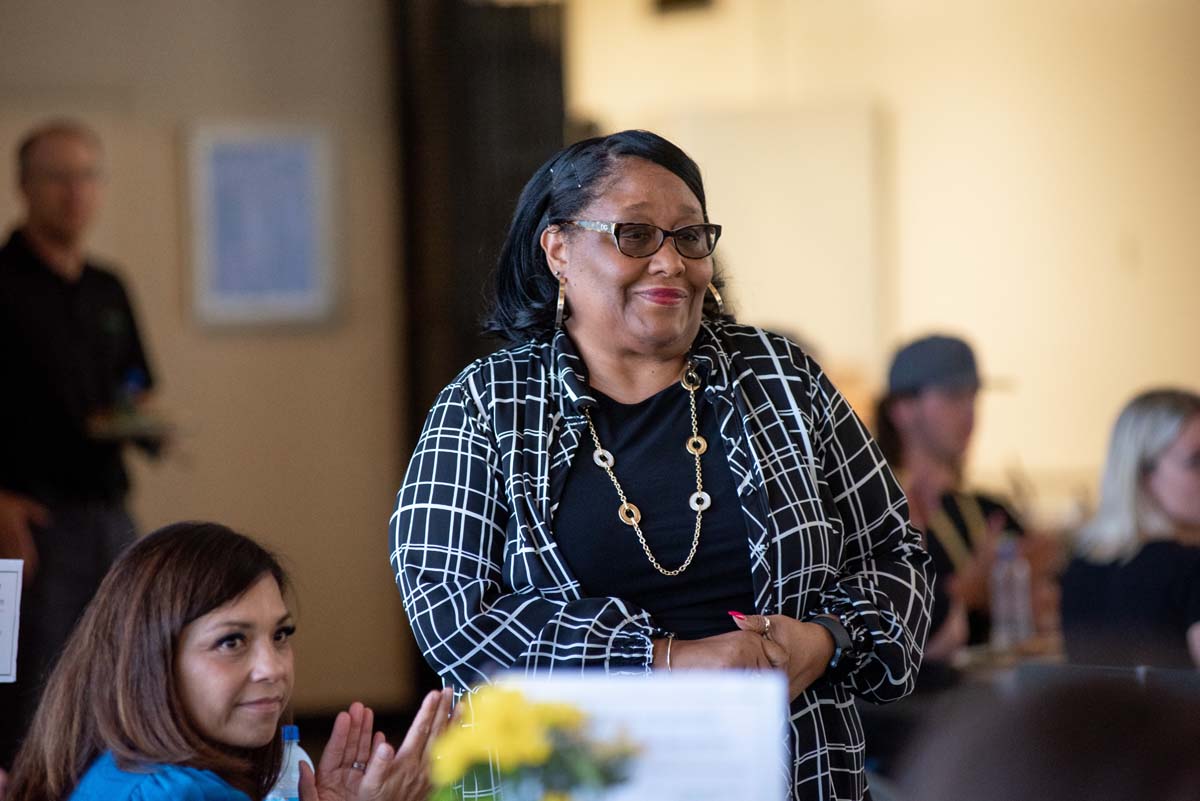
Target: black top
474 540
67 349
964 521
658 476
1133 613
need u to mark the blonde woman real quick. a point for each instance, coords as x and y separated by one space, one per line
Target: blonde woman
1132 594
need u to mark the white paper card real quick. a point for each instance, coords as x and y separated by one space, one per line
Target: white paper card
10 616
702 736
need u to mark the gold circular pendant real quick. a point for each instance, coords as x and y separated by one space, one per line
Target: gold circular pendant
630 515
696 445
690 380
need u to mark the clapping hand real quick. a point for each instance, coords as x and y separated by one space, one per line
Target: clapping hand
360 766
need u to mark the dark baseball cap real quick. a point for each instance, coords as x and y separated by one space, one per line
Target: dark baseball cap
939 361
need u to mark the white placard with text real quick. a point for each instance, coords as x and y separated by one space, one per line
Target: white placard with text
702 736
10 616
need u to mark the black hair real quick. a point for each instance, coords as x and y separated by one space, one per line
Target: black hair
524 291
887 436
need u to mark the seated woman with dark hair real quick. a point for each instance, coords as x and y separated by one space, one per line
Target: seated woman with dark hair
174 682
1132 595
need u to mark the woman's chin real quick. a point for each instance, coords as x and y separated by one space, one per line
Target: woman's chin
249 740
256 734
668 336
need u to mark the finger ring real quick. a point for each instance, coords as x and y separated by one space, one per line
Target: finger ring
359 766
767 627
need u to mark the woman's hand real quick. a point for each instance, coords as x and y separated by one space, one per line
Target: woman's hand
18 516
349 744
950 637
409 777
738 650
388 774
807 647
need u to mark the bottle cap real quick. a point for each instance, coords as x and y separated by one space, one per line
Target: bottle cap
1007 547
291 734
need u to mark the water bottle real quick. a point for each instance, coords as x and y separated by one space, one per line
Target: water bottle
287 788
1012 603
133 385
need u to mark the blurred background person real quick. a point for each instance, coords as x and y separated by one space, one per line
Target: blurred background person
924 425
1131 596
70 355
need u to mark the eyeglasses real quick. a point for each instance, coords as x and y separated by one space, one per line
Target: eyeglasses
639 240
87 175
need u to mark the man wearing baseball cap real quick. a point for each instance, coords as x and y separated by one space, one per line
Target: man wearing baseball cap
924 427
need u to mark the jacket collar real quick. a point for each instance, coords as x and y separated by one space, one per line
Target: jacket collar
571 373
707 355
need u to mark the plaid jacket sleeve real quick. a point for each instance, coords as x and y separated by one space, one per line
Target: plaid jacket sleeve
481 592
884 594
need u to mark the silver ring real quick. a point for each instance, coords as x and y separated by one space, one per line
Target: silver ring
767 627
359 766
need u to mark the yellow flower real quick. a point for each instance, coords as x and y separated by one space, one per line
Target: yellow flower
501 723
559 716
552 796
453 753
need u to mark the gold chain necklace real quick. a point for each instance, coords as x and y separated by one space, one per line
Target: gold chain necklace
696 445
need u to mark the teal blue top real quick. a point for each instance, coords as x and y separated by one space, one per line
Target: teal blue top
106 781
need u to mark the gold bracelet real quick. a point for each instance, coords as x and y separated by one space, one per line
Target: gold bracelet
670 639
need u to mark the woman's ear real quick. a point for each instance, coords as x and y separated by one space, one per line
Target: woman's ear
554 245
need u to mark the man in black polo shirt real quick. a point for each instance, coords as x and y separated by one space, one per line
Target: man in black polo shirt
70 356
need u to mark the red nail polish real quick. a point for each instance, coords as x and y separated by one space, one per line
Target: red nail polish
738 615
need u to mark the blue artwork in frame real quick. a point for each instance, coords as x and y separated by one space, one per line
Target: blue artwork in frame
262 228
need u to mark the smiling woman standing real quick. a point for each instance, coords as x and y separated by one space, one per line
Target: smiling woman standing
173 684
639 484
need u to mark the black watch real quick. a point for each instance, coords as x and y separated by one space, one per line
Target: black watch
841 638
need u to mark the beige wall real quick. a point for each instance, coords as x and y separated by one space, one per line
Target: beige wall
1036 186
291 435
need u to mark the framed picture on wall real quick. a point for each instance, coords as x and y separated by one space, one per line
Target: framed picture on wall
262 224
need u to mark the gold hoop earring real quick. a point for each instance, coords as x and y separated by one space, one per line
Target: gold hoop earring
562 301
717 297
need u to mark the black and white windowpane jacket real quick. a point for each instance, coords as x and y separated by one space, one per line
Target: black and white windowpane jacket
486 589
